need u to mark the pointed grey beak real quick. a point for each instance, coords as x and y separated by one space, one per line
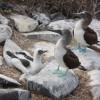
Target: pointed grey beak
57 31
45 51
78 15
42 51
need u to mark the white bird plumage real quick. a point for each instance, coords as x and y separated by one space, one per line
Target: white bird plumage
32 67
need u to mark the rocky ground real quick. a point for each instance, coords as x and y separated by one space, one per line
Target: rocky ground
82 92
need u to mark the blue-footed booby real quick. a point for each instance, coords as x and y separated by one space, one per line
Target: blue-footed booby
63 55
84 35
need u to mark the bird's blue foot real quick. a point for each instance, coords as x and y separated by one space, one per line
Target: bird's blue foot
62 75
83 50
56 71
76 47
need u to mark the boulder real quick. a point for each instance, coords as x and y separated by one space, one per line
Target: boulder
42 19
90 60
5 32
10 46
3 20
7 82
1 61
43 35
50 84
96 92
70 24
24 23
62 24
14 94
57 16
95 83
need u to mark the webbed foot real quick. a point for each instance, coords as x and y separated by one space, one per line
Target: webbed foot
62 74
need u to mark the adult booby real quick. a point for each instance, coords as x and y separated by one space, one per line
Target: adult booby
24 65
63 55
84 35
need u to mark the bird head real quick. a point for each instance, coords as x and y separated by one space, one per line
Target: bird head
40 51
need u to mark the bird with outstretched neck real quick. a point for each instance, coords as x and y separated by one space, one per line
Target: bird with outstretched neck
63 55
25 65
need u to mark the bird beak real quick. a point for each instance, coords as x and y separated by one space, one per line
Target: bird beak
42 51
57 31
82 68
45 51
78 15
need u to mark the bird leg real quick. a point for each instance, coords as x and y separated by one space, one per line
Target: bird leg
60 73
56 71
83 50
76 47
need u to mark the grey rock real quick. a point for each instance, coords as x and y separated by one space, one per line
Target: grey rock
7 82
90 60
43 35
62 24
1 61
10 46
14 94
57 16
50 84
5 32
96 92
3 20
95 83
42 19
24 23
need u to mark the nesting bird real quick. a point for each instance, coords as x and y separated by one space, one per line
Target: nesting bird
63 55
84 35
26 66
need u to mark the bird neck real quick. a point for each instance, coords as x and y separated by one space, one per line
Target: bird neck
37 58
60 43
83 23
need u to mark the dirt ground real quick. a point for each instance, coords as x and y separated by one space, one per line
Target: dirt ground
82 92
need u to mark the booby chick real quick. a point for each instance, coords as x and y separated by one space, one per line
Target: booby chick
84 35
24 65
63 55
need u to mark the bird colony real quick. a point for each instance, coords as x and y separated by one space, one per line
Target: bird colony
64 47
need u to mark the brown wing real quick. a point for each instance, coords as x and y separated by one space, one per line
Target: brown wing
90 36
71 60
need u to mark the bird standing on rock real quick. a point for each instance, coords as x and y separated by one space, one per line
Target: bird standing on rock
63 55
84 35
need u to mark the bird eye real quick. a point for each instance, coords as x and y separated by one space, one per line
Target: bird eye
40 51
